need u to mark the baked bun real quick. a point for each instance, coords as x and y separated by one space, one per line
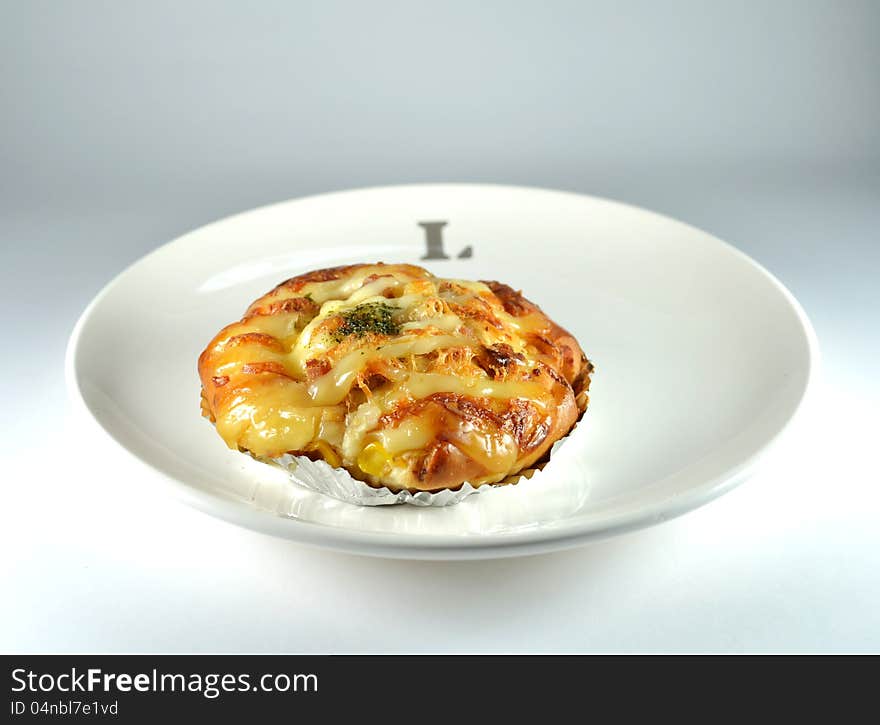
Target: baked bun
404 379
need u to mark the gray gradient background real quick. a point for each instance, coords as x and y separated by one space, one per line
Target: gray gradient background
125 124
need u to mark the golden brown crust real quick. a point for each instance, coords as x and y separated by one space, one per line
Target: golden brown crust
404 379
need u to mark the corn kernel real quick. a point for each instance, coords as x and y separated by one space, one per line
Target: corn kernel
327 452
373 459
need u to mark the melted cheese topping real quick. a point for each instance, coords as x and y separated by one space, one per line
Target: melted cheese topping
405 379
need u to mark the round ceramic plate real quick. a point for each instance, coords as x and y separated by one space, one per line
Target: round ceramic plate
702 358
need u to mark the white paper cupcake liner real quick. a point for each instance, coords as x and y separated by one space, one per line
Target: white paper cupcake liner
320 476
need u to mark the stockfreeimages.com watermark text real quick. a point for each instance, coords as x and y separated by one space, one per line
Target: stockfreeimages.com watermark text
210 685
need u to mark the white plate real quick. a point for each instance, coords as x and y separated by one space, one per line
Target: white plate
702 358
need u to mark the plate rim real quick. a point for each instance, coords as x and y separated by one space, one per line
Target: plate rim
442 546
